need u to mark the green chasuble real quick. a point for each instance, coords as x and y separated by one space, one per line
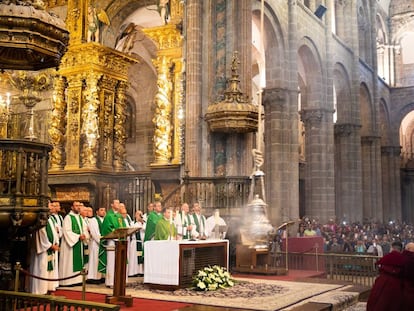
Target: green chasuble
111 222
164 229
78 246
50 237
152 220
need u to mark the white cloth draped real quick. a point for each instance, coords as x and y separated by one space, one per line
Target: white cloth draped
40 245
95 237
69 239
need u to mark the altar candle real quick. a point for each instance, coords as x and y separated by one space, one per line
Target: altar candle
170 217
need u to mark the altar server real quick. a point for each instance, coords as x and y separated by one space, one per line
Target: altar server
95 227
71 260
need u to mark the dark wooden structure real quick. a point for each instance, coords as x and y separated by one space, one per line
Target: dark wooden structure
120 236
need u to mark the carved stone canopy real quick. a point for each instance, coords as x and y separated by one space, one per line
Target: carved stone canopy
30 37
234 114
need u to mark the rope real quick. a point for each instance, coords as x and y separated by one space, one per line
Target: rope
47 279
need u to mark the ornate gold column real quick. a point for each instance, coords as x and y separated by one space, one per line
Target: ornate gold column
97 80
76 20
169 98
108 86
58 124
74 95
162 116
119 128
90 122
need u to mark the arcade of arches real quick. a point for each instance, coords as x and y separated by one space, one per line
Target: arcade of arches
334 91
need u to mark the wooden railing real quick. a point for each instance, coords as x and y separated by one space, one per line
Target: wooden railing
357 269
18 301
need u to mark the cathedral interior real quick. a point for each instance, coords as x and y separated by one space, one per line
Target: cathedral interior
196 101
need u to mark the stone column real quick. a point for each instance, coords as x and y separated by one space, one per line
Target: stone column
58 125
281 155
348 175
194 72
391 185
319 184
371 178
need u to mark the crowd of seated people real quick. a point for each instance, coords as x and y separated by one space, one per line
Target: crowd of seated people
369 237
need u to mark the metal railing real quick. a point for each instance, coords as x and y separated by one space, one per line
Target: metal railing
17 301
357 269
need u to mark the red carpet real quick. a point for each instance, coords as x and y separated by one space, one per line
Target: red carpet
150 304
138 304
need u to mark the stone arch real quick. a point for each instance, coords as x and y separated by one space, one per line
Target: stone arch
366 110
310 72
125 34
342 89
383 51
406 135
273 46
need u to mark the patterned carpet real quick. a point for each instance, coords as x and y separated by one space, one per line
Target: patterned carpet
253 294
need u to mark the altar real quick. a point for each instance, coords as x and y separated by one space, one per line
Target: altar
173 264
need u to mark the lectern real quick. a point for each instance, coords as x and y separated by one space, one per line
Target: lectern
121 246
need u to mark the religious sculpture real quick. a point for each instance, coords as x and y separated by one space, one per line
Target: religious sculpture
94 23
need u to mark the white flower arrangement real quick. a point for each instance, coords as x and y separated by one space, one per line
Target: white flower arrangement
212 278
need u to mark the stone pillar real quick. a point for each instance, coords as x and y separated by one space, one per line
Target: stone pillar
348 175
281 155
57 128
371 178
319 183
193 143
391 185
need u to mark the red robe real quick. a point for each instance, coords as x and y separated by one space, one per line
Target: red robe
408 279
387 292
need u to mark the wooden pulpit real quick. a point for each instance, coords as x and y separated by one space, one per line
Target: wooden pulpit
120 236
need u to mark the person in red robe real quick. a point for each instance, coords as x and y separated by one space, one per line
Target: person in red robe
387 291
408 278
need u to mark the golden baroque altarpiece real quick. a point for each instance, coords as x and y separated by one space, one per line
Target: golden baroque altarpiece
88 122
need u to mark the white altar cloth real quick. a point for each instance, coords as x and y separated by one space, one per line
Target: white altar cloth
161 260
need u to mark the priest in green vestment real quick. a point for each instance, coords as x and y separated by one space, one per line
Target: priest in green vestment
113 220
165 228
152 220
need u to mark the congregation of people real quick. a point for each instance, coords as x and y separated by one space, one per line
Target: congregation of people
370 238
72 245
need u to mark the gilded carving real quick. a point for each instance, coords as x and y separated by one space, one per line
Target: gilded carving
119 128
58 125
162 116
90 129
